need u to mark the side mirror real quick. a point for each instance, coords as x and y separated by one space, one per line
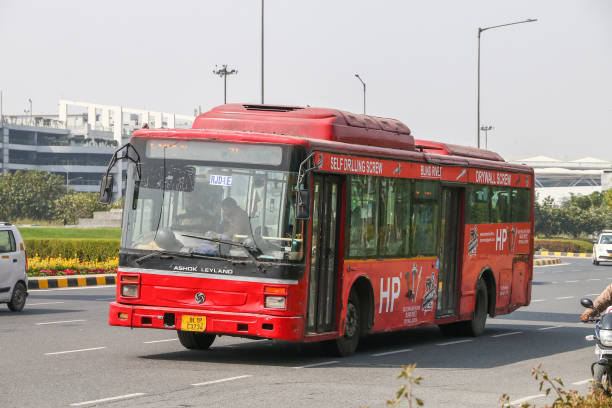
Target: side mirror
106 189
302 205
587 303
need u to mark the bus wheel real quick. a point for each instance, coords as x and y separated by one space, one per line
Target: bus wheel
347 344
475 327
194 340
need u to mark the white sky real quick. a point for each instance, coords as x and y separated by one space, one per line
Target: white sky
546 86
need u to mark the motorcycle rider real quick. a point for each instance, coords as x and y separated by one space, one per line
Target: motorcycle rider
601 303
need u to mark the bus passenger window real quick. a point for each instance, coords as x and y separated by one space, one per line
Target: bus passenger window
478 204
363 217
424 219
500 205
521 204
395 216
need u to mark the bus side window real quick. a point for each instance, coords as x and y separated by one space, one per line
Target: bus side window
521 204
478 204
500 205
395 217
363 216
424 218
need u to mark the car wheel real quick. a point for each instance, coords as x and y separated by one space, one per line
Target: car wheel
18 299
595 262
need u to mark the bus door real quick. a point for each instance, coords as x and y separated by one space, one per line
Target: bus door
449 250
322 286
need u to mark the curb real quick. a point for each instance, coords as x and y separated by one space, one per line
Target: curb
549 261
71 282
566 254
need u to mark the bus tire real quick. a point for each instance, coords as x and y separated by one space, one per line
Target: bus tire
194 340
475 327
347 344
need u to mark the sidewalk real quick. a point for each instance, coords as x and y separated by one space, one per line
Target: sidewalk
50 282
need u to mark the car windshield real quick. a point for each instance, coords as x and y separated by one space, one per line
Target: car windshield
200 205
605 239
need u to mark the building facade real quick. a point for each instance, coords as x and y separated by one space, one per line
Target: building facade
76 146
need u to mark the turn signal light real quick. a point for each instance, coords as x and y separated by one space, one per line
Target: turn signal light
122 316
129 278
273 290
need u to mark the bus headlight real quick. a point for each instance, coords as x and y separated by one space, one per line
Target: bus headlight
275 302
605 336
129 290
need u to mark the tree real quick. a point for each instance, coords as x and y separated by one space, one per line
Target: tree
72 206
29 194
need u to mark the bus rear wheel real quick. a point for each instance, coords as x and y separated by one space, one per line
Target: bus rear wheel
194 340
347 344
475 327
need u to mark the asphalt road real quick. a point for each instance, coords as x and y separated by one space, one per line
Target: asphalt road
60 352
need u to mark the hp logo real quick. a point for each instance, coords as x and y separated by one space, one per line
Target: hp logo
200 298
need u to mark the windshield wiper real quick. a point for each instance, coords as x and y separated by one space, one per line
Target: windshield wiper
253 251
171 254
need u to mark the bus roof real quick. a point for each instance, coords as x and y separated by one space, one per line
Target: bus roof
328 129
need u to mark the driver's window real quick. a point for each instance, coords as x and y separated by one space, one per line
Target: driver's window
7 242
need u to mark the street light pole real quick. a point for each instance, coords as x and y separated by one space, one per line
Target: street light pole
31 118
480 30
262 52
223 72
364 92
486 128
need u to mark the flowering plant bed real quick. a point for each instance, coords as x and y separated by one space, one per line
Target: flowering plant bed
60 266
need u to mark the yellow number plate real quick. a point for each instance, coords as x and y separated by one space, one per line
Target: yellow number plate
193 323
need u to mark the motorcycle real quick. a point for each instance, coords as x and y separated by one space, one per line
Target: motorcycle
601 370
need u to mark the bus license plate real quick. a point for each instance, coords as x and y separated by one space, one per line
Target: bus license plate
193 323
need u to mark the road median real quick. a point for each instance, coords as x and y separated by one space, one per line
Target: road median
565 254
52 282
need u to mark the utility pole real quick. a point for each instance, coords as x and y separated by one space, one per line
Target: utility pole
223 72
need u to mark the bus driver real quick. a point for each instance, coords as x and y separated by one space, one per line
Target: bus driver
235 219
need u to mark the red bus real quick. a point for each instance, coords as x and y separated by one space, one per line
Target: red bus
310 224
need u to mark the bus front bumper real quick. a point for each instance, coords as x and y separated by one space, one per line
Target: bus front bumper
290 328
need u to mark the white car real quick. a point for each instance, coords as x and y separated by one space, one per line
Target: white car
13 268
602 247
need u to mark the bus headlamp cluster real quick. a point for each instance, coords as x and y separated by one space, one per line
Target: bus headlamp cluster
605 336
275 302
128 290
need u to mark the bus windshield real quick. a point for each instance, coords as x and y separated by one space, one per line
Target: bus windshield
193 207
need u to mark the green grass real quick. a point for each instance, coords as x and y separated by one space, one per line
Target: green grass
74 233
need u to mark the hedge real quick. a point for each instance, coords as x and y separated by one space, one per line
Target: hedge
563 245
84 249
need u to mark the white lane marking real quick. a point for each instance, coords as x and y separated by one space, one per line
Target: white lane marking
107 298
538 300
119 397
220 381
594 279
507 334
583 382
44 303
572 281
593 294
454 342
158 341
390 352
548 328
554 282
525 399
317 364
61 321
74 351
73 288
565 297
